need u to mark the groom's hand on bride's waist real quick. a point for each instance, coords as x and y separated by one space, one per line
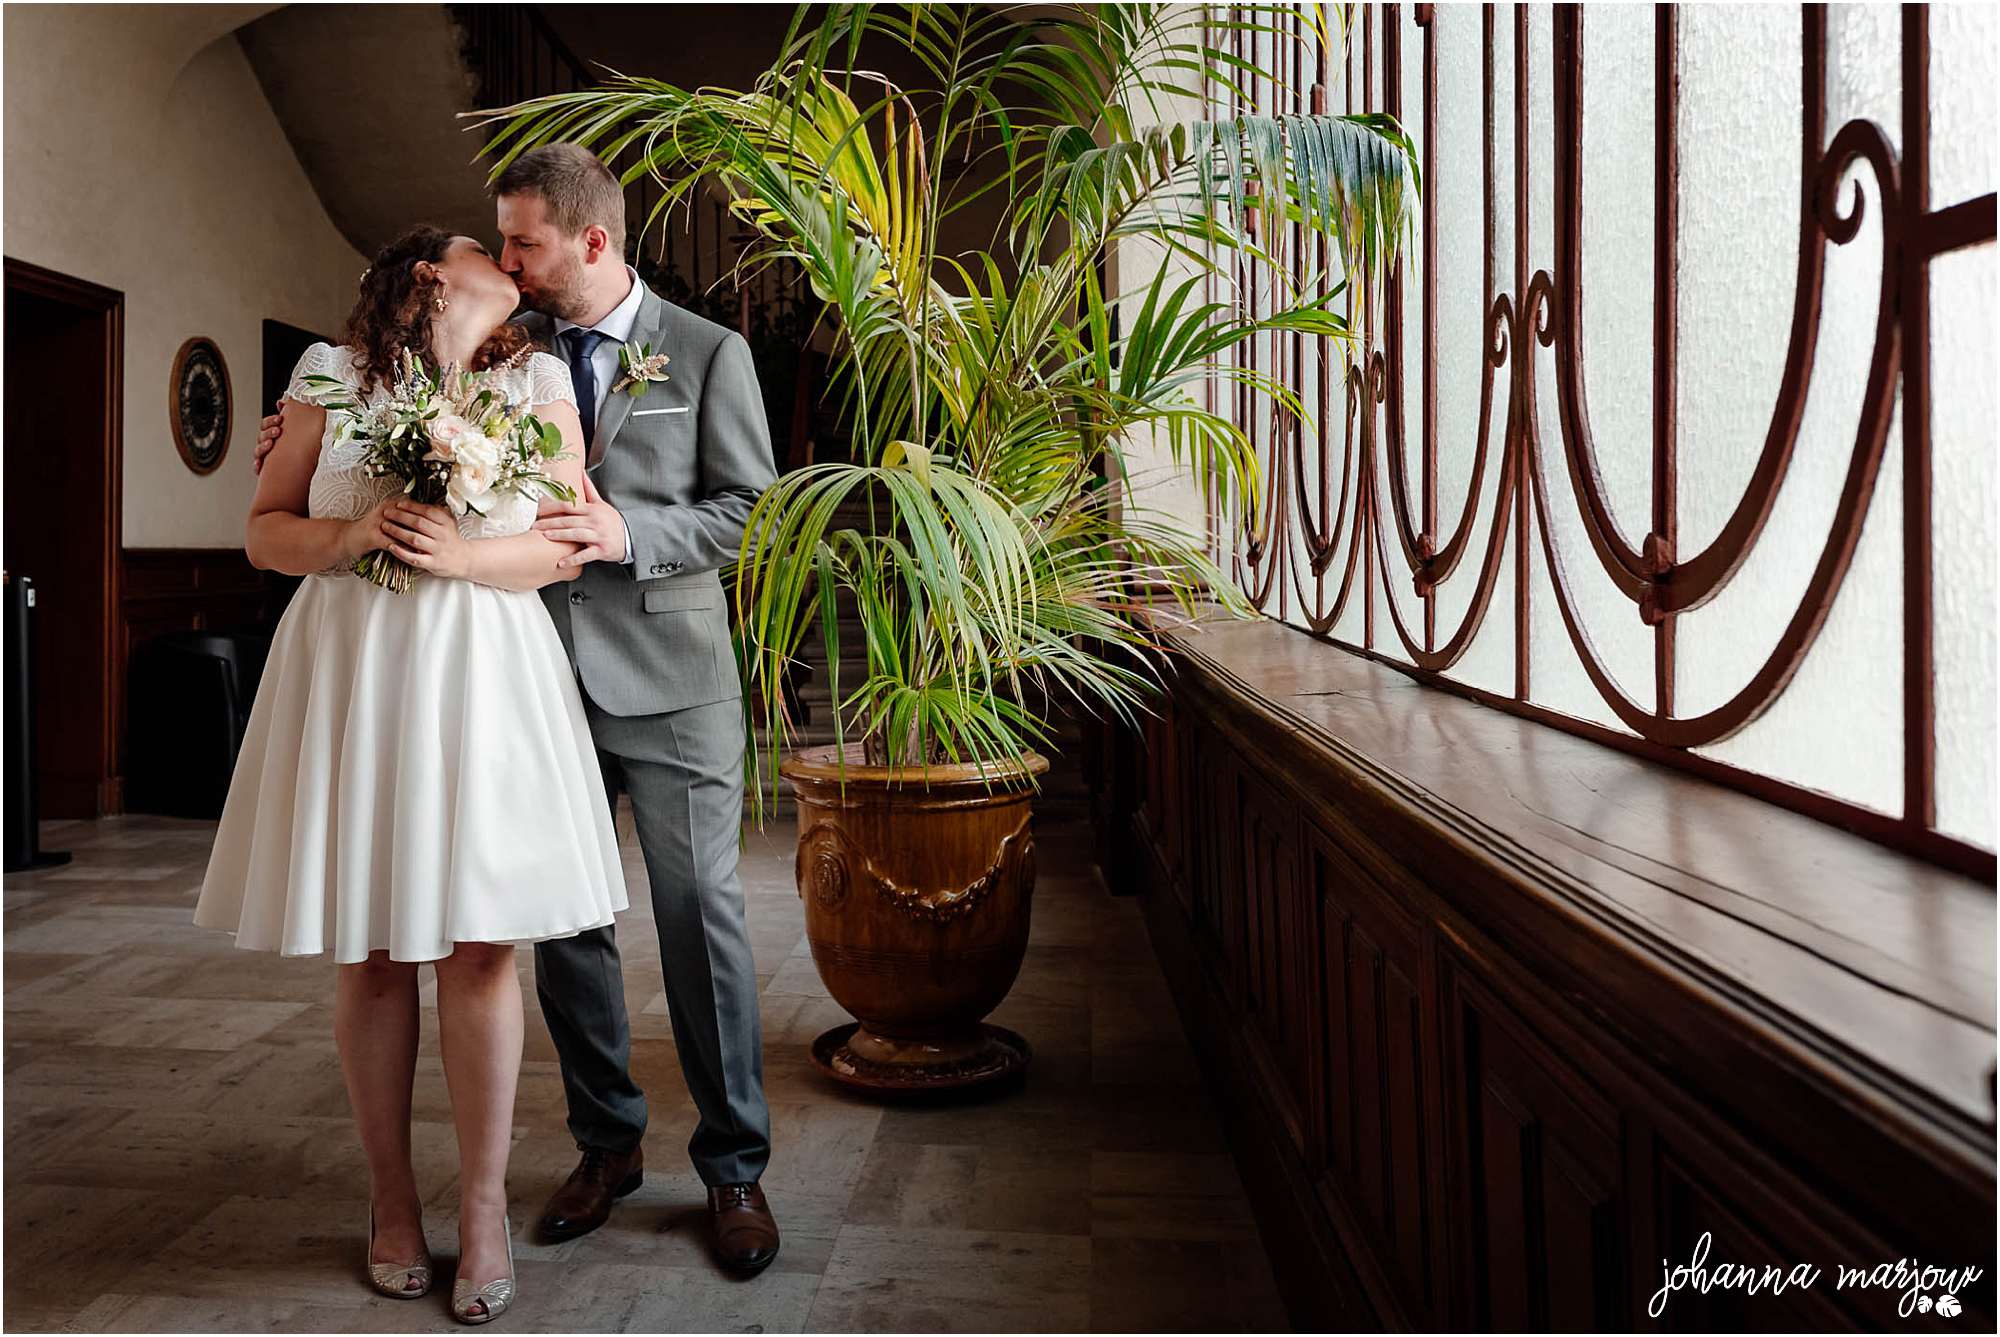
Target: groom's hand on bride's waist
268 432
591 521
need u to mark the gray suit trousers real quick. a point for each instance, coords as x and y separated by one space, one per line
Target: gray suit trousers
684 771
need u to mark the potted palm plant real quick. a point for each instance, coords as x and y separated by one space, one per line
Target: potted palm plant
994 392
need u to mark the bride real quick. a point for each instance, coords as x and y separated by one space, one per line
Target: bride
417 782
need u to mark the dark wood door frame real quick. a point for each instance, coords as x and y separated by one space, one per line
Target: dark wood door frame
105 546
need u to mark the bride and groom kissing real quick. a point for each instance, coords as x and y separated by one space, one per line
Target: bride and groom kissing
430 775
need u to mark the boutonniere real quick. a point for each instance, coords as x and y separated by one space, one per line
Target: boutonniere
642 367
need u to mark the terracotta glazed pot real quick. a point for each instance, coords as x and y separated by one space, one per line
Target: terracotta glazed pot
917 887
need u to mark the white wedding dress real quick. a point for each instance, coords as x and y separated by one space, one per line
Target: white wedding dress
417 770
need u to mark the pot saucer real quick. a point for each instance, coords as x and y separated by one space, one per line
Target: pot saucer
994 1054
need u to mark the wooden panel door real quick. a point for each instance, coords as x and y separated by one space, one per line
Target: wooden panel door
65 350
1281 999
1379 1111
1212 856
1751 1223
1540 1190
1161 817
1689 1209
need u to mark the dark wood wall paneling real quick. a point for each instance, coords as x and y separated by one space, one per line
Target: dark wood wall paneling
1445 1129
188 589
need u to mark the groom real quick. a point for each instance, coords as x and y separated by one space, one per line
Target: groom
671 475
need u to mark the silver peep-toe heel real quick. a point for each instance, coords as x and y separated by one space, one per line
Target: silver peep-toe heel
393 1279
496 1295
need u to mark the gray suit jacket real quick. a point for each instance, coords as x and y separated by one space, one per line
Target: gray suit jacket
683 463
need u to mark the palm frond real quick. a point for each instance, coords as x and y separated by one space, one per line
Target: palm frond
1010 565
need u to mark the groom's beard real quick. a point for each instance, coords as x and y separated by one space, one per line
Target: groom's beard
562 296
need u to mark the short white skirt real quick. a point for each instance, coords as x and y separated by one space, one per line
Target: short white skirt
417 772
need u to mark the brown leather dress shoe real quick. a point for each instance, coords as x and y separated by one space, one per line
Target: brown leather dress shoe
584 1201
746 1237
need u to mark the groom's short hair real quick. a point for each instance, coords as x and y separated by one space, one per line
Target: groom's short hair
575 184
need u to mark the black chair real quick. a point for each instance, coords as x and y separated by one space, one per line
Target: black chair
189 700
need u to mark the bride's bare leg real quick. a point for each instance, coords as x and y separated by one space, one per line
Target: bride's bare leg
375 1026
479 1028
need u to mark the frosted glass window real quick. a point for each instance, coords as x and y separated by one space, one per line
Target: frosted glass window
1963 414
1617 343
1839 726
1738 245
1618 235
1458 187
1725 417
1965 101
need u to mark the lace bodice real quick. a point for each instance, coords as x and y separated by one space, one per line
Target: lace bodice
341 491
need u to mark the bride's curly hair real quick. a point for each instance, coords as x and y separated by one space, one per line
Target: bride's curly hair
396 308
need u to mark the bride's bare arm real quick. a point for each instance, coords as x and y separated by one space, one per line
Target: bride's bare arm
280 536
517 562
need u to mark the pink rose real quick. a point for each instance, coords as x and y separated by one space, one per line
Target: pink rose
448 431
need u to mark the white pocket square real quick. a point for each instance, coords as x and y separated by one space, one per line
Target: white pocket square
640 413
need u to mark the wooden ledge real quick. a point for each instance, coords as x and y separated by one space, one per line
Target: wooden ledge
1867 974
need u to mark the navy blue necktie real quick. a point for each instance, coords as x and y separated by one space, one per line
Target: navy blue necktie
579 344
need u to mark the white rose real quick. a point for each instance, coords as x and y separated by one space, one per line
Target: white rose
478 451
464 489
448 430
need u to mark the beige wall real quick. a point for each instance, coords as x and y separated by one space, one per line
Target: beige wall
1160 485
142 155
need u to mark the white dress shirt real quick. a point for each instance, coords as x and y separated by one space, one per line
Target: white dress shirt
617 327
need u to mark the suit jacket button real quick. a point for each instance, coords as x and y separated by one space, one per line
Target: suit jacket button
577 596
673 566
659 568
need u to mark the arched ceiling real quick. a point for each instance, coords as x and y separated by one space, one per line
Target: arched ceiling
369 96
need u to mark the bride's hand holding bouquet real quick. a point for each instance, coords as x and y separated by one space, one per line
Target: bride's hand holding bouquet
426 538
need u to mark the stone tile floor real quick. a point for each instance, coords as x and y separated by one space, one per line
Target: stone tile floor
179 1156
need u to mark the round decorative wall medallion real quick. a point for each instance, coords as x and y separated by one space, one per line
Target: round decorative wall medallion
199 404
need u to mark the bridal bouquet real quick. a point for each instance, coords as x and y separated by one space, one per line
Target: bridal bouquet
452 440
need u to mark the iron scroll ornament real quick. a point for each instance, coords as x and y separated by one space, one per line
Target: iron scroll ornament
199 404
1545 316
1313 558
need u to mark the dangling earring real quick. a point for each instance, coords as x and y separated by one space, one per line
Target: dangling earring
439 303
